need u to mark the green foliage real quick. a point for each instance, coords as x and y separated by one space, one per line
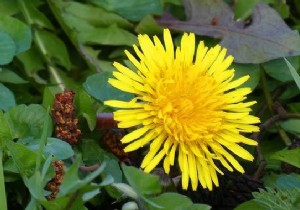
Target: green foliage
7 98
96 85
49 46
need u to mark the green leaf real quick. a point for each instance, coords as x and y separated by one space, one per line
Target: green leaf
247 69
7 98
93 15
5 134
18 31
8 7
267 37
27 121
141 182
11 77
32 61
85 107
111 35
175 201
49 95
148 26
71 181
54 48
133 10
291 157
291 125
23 158
37 17
59 149
250 205
293 72
98 87
279 70
7 48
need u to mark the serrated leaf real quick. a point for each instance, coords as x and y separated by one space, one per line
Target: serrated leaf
111 35
266 38
141 182
98 87
291 157
7 98
54 47
7 48
18 31
133 10
11 77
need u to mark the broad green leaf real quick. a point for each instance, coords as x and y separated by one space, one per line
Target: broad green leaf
247 69
7 48
171 201
71 181
7 98
293 72
288 181
279 70
111 35
132 9
96 16
59 149
18 31
141 182
291 125
23 158
85 107
54 48
250 205
98 87
175 201
5 134
27 121
32 61
291 157
267 37
11 77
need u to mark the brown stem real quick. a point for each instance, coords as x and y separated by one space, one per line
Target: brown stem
87 168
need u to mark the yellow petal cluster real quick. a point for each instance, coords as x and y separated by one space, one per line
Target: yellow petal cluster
187 108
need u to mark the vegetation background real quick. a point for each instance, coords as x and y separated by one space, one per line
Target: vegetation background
53 45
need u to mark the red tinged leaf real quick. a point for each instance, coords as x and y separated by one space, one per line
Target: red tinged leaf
267 36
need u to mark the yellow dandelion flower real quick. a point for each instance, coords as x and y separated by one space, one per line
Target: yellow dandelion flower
187 107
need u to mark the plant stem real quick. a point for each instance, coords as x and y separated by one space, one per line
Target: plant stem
3 204
270 103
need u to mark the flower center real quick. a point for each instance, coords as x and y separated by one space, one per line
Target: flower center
189 110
